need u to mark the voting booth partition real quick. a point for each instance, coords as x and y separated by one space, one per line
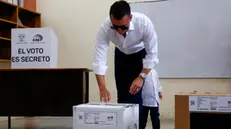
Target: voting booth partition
202 111
34 48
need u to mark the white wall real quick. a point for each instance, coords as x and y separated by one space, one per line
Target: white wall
76 23
135 1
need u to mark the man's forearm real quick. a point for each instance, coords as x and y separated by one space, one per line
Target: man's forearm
100 80
145 70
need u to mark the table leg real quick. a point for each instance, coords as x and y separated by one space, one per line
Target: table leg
9 122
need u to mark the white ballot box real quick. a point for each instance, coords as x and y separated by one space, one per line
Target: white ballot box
106 116
34 48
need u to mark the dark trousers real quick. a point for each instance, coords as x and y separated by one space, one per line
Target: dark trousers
154 114
127 69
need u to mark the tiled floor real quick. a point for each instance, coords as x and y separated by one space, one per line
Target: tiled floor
66 123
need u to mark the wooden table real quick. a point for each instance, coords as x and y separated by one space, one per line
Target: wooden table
42 92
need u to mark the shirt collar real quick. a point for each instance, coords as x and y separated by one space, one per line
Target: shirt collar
131 27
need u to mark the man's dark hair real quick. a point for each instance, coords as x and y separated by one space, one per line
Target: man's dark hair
120 9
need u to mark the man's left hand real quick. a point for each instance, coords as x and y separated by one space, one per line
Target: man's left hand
136 85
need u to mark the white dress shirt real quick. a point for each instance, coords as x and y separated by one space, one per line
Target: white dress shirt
151 89
141 34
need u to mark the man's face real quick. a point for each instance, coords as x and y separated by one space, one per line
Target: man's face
121 26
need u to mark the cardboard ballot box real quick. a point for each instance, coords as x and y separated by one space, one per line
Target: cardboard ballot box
34 48
105 116
202 111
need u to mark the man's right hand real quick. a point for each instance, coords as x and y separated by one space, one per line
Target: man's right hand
105 95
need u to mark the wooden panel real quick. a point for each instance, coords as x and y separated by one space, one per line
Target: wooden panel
42 92
29 18
30 4
12 16
182 118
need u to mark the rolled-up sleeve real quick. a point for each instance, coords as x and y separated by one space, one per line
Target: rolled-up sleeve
101 51
150 44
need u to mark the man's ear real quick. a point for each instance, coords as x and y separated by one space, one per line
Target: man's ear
130 17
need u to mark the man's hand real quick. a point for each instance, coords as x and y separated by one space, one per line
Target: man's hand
104 94
136 85
138 82
160 95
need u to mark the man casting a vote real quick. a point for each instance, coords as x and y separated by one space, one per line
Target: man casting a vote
135 54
